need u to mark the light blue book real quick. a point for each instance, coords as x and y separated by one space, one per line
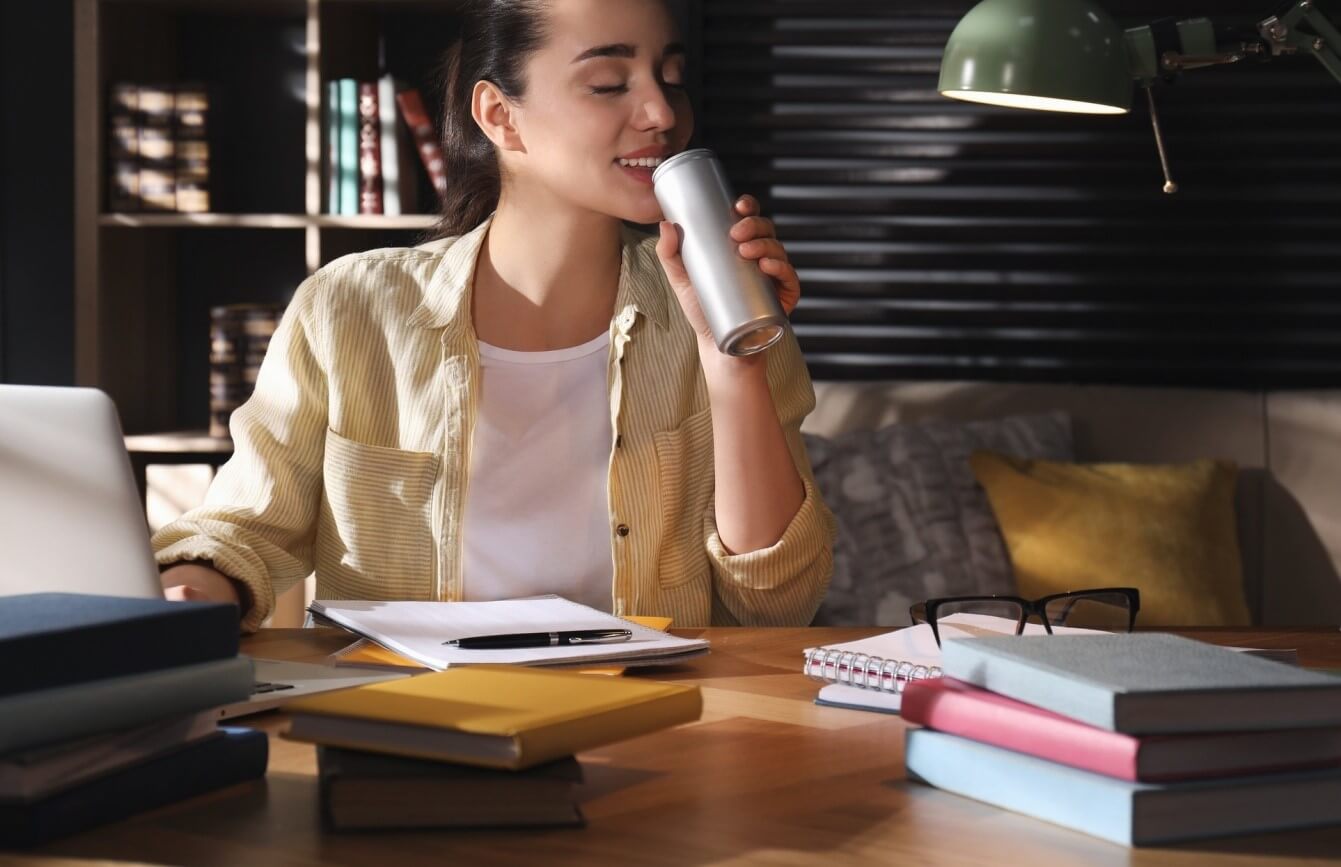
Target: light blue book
45 716
1132 814
1146 683
349 146
333 146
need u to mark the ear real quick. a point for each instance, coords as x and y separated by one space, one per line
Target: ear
496 115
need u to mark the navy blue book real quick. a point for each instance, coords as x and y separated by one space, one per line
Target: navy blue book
234 756
57 639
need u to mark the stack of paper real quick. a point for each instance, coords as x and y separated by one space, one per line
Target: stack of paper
419 630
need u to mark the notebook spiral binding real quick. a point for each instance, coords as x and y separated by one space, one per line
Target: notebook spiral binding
863 670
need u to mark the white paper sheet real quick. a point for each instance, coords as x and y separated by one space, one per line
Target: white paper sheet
418 630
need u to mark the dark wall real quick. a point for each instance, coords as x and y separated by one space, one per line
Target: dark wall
37 192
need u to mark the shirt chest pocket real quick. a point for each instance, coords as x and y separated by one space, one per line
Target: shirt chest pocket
377 538
685 480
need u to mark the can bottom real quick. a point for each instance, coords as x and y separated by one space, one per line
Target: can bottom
755 340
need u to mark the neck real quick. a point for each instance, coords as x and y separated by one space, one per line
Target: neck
546 277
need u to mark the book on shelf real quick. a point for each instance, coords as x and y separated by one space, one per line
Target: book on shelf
191 148
333 146
425 138
951 706
389 146
158 156
239 337
370 149
157 153
123 147
382 169
349 147
361 791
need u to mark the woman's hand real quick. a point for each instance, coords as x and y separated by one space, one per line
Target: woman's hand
196 582
757 240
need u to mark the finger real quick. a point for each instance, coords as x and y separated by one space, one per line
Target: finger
785 280
747 205
761 247
753 227
181 593
668 251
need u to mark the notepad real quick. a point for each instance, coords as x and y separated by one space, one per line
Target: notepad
417 630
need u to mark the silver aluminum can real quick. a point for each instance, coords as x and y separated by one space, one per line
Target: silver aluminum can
738 300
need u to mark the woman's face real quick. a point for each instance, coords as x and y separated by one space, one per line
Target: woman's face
606 88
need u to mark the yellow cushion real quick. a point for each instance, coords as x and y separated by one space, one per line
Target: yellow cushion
1168 530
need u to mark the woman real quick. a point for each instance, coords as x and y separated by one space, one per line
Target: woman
532 402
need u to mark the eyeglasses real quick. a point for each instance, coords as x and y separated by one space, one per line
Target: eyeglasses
1109 608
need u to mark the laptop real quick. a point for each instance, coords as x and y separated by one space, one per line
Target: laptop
71 521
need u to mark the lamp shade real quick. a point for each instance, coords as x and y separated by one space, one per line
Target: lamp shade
1055 55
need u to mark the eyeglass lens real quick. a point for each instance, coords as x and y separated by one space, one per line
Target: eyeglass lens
1108 611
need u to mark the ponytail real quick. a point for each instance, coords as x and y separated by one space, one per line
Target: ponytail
494 43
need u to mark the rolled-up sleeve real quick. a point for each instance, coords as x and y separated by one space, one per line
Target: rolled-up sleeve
258 520
783 584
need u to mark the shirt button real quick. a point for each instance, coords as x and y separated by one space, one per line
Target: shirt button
622 530
619 440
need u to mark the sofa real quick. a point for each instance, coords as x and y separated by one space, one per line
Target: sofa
1286 444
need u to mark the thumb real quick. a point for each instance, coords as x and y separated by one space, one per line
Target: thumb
668 251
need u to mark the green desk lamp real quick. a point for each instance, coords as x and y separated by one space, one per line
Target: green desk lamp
1071 56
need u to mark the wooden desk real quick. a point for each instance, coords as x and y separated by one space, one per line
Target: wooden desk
765 777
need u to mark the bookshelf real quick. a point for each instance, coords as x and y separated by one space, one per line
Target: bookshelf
144 281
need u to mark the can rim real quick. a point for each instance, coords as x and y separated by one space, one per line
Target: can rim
682 157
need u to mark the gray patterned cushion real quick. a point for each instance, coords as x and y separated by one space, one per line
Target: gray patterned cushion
912 521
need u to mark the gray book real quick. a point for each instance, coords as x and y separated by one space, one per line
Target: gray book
1132 814
1147 683
48 716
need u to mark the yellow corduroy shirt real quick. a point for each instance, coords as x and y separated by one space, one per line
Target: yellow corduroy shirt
352 456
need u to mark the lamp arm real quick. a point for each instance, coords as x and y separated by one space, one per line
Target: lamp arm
1164 48
1319 37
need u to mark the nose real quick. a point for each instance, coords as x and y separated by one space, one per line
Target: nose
655 110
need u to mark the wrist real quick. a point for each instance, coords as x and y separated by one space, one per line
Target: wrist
720 369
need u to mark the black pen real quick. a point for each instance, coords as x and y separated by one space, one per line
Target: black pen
541 639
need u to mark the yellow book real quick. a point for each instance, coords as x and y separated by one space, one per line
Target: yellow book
496 716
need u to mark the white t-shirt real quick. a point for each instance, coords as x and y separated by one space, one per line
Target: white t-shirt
537 516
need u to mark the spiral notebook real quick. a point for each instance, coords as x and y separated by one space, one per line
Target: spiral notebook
871 673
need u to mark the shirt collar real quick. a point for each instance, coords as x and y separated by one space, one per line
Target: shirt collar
446 299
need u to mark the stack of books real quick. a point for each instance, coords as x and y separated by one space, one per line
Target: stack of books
239 337
371 155
158 148
476 746
107 709
1139 739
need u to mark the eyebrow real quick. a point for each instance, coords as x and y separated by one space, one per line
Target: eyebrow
623 49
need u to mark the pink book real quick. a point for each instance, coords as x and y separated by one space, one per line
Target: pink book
957 708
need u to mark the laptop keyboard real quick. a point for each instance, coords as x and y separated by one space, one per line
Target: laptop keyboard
260 687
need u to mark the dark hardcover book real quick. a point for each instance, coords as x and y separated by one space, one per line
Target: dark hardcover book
49 640
364 791
370 150
157 148
191 148
123 148
425 140
213 763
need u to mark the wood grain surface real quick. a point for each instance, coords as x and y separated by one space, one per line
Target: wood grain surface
766 777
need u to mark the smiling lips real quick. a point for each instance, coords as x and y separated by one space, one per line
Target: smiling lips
640 164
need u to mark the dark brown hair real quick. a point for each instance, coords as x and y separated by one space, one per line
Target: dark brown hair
496 39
